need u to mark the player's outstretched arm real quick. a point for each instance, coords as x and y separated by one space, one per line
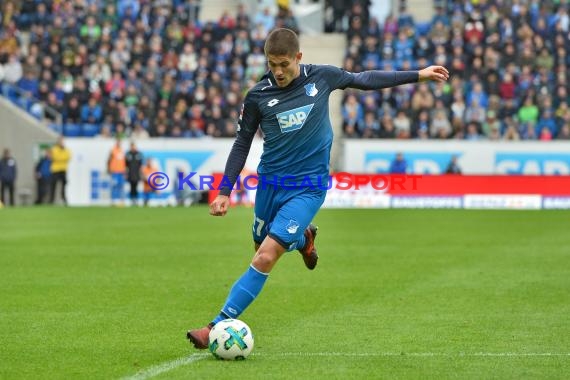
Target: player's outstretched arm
219 206
433 73
378 79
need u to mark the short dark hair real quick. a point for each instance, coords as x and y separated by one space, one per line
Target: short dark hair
282 41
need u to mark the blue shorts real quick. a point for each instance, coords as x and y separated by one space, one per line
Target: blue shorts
284 214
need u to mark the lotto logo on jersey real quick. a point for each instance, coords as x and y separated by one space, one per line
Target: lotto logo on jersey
294 119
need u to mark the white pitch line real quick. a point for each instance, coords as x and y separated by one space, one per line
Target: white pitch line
158 369
415 354
173 364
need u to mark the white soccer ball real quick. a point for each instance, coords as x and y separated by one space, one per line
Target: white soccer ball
231 339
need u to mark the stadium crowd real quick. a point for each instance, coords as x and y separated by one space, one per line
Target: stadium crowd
143 68
134 68
509 66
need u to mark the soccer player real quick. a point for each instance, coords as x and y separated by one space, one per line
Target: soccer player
291 105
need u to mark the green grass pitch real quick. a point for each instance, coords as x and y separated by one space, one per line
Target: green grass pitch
108 293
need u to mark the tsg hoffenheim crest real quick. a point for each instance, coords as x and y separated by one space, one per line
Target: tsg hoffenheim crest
311 89
292 226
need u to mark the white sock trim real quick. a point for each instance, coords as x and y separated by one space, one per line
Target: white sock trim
258 271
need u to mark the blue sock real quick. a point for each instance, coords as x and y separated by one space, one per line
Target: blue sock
244 291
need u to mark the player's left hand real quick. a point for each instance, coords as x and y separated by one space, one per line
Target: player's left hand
434 73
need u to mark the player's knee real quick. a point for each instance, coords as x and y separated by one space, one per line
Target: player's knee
264 260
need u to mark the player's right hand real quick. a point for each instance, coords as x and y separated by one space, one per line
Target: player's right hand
219 206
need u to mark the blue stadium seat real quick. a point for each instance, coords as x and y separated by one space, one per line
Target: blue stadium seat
422 28
72 130
57 128
11 94
90 130
24 103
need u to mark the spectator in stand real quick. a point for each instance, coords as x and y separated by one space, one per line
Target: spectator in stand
92 113
387 130
507 87
491 124
475 112
72 113
528 131
511 131
439 33
478 93
440 125
422 125
29 84
115 87
352 113
458 106
529 112
265 19
562 113
564 133
544 134
402 125
13 71
472 133
139 133
546 125
521 44
423 98
405 19
370 127
390 24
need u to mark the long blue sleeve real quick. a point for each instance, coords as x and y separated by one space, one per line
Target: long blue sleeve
376 79
248 123
236 160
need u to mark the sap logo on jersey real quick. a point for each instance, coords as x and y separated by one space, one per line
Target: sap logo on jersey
532 163
294 119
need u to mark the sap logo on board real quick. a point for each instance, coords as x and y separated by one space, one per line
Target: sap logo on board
532 163
418 162
294 119
174 161
166 161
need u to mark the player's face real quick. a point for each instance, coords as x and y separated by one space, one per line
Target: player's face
284 68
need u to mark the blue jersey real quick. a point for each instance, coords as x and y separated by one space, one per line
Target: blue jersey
295 121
